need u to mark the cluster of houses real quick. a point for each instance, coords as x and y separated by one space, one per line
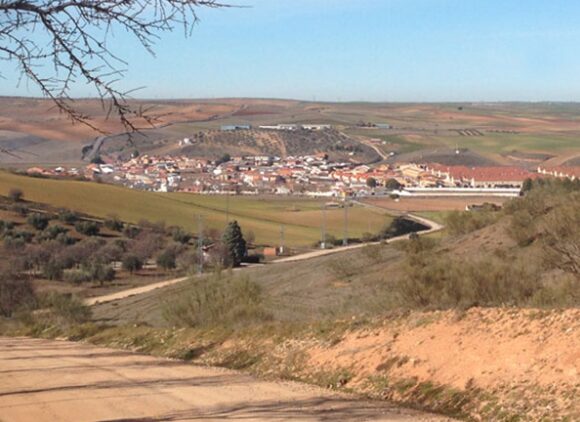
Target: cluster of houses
310 175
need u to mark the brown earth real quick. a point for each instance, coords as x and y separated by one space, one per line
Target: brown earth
48 380
432 204
517 356
39 134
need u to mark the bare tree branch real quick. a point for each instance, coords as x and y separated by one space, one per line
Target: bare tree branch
77 50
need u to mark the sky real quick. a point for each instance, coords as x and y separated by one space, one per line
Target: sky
360 50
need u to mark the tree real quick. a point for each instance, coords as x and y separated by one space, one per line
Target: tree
235 243
132 263
59 43
167 258
372 182
392 184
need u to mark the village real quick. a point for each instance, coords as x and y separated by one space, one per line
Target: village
309 175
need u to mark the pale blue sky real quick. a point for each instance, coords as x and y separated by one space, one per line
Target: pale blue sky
371 50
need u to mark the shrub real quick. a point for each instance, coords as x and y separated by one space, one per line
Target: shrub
66 308
131 231
14 243
221 300
5 226
188 261
52 232
441 282
463 222
92 272
38 221
114 224
180 235
400 226
16 194
68 217
77 276
15 294
88 228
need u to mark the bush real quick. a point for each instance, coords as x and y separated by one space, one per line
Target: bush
68 217
440 282
77 276
132 263
38 221
181 236
221 300
16 194
131 231
66 308
88 228
5 226
52 232
399 227
463 222
114 224
15 294
188 261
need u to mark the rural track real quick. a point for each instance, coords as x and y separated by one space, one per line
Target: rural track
51 380
433 227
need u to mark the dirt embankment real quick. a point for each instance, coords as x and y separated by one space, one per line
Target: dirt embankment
482 364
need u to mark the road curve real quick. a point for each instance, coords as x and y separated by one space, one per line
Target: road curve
433 227
50 380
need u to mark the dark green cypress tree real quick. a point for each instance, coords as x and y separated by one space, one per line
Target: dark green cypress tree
235 243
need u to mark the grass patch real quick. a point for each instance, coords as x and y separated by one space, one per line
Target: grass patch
219 300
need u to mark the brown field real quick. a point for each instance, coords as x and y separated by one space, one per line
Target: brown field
432 204
507 129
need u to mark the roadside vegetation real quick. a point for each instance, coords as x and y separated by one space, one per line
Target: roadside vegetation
520 263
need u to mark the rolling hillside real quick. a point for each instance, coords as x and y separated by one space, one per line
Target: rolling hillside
502 133
302 218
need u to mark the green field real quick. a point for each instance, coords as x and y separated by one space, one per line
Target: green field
302 218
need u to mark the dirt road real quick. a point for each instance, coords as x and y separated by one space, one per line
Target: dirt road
48 380
433 227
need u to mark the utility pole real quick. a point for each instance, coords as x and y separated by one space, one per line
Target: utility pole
345 237
323 228
282 228
200 242
227 208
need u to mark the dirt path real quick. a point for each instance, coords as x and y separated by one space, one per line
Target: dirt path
132 292
433 227
49 380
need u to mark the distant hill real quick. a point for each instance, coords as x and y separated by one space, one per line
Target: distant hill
502 133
